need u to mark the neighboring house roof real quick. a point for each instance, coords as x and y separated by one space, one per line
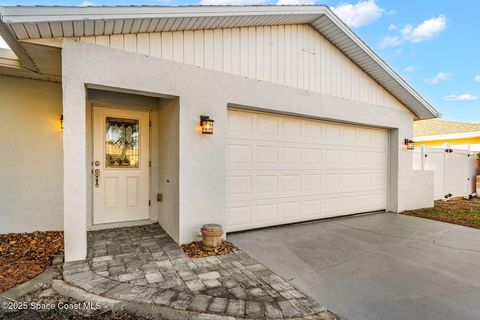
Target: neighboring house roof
437 129
24 23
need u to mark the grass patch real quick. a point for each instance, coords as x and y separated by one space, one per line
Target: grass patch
461 212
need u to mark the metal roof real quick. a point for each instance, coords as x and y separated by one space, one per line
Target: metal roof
24 23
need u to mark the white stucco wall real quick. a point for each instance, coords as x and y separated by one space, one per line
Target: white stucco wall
31 161
417 190
168 166
202 159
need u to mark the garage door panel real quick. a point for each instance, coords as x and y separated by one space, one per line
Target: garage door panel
292 128
266 154
349 135
284 169
332 182
333 133
291 183
266 126
239 217
240 124
291 156
349 204
238 185
313 131
267 184
364 202
349 180
380 138
289 211
268 212
331 156
379 158
378 201
364 137
364 157
265 213
239 156
312 183
312 156
349 157
312 208
332 205
242 186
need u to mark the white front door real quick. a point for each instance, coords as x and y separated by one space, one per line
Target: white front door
120 165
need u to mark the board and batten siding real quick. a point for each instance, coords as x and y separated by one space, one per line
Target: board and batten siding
292 55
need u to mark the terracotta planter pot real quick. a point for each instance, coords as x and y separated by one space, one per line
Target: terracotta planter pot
212 236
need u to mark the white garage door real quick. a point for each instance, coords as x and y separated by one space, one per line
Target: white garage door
283 169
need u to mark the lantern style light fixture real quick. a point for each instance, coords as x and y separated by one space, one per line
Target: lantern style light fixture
410 144
207 124
61 121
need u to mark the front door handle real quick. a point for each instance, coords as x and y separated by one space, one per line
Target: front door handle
97 175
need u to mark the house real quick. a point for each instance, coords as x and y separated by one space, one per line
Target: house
438 133
103 110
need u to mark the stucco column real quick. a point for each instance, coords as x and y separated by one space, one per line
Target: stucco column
74 167
202 189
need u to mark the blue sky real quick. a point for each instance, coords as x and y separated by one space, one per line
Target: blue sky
432 44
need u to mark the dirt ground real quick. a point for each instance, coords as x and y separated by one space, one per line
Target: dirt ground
25 255
462 212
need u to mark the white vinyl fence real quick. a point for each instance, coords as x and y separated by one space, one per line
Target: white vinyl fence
454 170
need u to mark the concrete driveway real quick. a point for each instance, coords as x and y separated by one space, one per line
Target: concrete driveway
380 266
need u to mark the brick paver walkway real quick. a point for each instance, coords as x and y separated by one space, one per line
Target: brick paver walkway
143 264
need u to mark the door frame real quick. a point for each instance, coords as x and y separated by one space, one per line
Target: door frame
90 223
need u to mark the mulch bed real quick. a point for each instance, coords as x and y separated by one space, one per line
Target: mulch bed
462 212
25 255
195 249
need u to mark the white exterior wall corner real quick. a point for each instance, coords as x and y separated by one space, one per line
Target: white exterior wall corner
75 163
202 158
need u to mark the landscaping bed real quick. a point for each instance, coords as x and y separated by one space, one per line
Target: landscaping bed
25 255
195 249
461 212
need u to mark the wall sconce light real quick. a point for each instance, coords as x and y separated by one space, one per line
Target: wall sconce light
410 144
207 124
61 121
